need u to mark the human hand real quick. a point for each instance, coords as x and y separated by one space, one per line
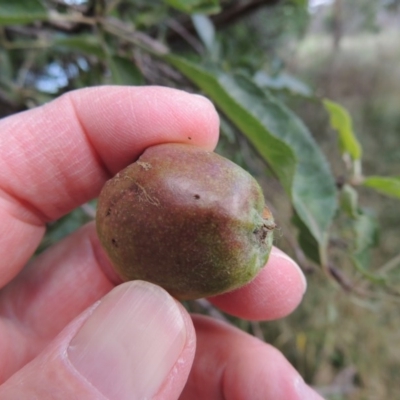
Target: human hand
67 330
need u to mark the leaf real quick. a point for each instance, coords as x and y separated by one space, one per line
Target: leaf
306 240
362 259
13 12
87 44
366 235
124 71
366 232
386 185
280 137
283 81
340 120
195 6
205 30
349 201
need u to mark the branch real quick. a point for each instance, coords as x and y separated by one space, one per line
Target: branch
240 10
126 32
230 13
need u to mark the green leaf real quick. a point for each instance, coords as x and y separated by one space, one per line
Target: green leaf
195 6
124 71
87 44
13 12
349 201
366 235
283 81
366 232
306 240
360 261
386 185
340 120
280 137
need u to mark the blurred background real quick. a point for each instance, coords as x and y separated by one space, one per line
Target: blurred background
345 337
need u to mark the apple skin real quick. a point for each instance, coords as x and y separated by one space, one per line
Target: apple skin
186 219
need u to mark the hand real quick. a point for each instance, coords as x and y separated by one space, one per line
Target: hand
67 330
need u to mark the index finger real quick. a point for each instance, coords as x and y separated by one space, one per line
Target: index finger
58 156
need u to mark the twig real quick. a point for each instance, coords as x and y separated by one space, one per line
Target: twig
89 210
74 17
301 258
257 331
229 14
240 10
25 68
341 278
390 265
126 32
211 310
186 35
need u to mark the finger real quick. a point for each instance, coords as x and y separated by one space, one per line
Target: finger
56 157
137 343
275 292
51 291
232 365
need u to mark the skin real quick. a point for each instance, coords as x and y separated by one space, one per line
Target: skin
206 222
56 157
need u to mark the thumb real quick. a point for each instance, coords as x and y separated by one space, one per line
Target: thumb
136 343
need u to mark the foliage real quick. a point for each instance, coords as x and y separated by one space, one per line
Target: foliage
232 52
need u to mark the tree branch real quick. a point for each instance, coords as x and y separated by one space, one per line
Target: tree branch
239 10
230 13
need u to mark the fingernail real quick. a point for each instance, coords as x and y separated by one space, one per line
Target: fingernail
130 343
282 255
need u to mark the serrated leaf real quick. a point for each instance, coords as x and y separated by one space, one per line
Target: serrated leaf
124 71
14 12
280 137
195 6
87 44
386 185
340 120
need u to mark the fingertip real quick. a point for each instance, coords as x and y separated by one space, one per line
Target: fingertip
274 293
202 106
279 254
147 116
